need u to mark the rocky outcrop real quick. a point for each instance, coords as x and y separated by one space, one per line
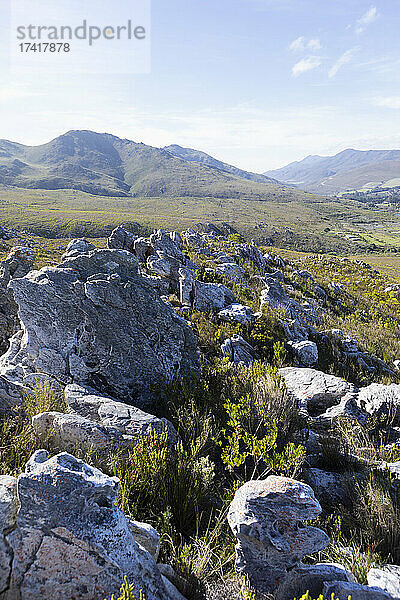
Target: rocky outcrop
306 352
69 539
314 390
238 350
268 519
94 320
18 263
237 313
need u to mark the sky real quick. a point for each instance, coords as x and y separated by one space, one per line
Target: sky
256 83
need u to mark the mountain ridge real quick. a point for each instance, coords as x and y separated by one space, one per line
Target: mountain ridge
346 170
104 164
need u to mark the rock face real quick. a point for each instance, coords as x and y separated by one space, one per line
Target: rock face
17 264
387 578
268 519
94 320
380 400
342 590
237 313
238 350
314 390
306 352
8 515
71 541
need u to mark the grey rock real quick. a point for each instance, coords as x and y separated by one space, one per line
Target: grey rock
314 390
130 421
386 578
176 238
70 538
268 520
330 488
18 263
197 241
237 313
312 579
211 296
70 432
94 320
120 239
231 270
147 537
162 242
76 247
238 350
306 352
186 286
342 590
8 516
142 249
380 400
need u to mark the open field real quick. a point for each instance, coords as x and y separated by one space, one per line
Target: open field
319 224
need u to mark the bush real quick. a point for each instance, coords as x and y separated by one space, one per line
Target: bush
127 593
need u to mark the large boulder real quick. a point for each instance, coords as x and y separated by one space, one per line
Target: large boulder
314 390
120 239
238 350
132 423
268 518
18 263
211 296
306 352
94 320
380 401
70 540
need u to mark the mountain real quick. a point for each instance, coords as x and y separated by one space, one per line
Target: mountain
103 164
347 170
202 158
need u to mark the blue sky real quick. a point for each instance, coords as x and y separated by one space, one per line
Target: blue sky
257 83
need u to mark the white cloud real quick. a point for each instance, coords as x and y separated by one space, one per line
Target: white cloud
301 44
387 101
305 64
14 91
314 44
345 58
367 18
298 44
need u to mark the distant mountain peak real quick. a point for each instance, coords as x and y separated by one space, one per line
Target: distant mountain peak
347 170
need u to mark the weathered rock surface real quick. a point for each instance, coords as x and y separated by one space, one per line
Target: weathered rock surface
312 578
330 488
68 432
268 519
380 400
238 350
306 352
211 296
94 320
343 590
314 390
130 421
18 263
71 541
120 239
76 247
386 578
8 515
237 313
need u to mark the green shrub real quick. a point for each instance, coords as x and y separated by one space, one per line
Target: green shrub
127 593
